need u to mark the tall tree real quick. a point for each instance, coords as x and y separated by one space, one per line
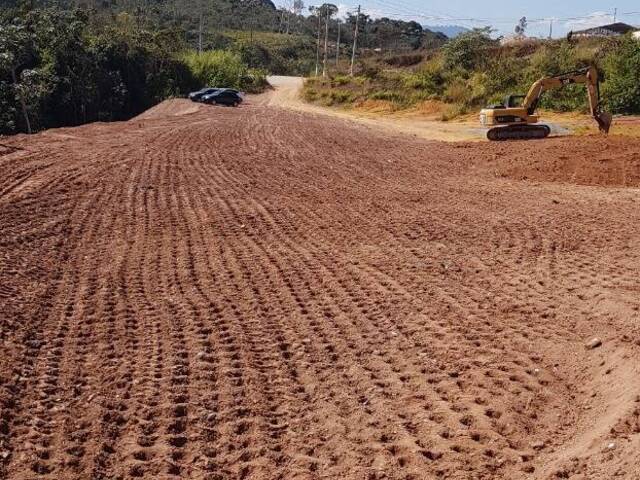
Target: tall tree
16 47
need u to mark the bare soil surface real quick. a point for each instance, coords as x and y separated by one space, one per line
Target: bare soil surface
286 94
424 121
259 293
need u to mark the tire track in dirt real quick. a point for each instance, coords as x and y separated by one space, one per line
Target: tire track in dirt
254 293
356 295
271 426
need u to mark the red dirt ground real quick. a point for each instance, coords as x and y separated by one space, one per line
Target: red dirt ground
254 293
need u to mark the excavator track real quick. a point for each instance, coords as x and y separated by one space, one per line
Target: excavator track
518 132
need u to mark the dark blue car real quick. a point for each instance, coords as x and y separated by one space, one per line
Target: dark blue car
197 96
226 96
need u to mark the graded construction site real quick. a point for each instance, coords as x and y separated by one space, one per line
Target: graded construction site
258 293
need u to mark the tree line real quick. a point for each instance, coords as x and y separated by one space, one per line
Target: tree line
68 62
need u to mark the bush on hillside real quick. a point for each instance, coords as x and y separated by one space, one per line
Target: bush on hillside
468 51
475 71
622 69
429 78
224 69
68 71
278 53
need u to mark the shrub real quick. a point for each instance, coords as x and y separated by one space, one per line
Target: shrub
341 80
225 69
469 50
621 89
428 79
255 56
503 77
339 97
217 68
407 60
369 70
457 92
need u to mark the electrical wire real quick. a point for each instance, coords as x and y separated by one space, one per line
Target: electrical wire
394 9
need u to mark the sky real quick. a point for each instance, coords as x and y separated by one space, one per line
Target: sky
564 15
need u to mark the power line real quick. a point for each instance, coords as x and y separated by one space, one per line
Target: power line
392 9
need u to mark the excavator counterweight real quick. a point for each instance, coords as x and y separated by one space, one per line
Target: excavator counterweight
516 118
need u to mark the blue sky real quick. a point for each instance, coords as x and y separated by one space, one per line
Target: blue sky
565 14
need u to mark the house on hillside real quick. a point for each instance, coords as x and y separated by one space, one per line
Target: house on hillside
612 30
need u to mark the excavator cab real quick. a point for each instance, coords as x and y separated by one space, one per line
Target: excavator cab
510 101
513 101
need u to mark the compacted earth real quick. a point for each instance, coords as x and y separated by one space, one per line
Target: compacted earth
257 293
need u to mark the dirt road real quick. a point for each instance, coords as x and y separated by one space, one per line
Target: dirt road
286 94
256 293
418 123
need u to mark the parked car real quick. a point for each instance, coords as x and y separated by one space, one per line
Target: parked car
197 96
226 96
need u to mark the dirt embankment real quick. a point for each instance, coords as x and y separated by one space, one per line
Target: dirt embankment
588 160
260 293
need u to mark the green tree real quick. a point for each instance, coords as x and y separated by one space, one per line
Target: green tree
469 50
16 49
622 69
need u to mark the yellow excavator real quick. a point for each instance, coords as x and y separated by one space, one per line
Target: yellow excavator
516 118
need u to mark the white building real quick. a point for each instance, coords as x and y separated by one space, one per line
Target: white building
612 30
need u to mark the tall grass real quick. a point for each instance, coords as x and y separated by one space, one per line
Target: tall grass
221 68
483 72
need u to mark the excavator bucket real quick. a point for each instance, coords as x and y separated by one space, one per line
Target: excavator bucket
604 120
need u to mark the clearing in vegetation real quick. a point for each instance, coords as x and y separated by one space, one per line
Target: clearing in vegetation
216 293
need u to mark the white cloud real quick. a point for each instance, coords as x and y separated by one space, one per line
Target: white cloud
596 19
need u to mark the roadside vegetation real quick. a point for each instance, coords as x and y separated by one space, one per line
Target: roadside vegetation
65 63
474 70
63 68
222 67
58 69
61 65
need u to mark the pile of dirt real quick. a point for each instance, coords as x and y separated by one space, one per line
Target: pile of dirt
174 107
587 160
257 293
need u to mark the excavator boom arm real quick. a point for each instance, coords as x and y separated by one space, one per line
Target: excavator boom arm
588 76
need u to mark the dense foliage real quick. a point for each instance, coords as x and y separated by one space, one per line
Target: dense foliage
221 67
474 70
622 67
64 62
282 40
58 70
110 60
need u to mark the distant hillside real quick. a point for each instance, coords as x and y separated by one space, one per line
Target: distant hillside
451 31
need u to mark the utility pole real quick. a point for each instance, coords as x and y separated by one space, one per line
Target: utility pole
615 15
288 20
326 43
355 42
200 34
338 44
550 28
318 45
